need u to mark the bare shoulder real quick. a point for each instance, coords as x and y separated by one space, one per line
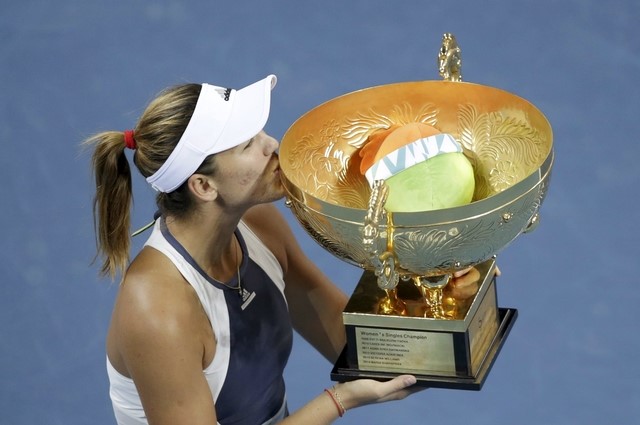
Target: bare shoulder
158 337
156 309
153 285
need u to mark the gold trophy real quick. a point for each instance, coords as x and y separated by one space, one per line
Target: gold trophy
403 317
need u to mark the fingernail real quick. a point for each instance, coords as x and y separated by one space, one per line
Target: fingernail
410 380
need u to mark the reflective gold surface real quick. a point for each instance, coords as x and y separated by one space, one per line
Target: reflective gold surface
413 341
407 300
507 139
450 59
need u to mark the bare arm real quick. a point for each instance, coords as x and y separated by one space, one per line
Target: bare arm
316 306
315 303
323 410
157 336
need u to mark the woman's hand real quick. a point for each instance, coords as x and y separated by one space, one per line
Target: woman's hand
368 391
334 402
464 283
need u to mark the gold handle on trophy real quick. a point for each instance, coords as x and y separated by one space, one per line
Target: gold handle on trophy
384 264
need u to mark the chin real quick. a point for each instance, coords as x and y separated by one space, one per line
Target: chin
273 193
279 193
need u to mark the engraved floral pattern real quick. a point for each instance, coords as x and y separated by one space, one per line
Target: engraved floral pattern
503 176
495 143
360 127
503 146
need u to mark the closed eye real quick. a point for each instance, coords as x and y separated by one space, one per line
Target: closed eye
248 144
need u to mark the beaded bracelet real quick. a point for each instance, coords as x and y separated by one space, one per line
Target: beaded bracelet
335 393
336 400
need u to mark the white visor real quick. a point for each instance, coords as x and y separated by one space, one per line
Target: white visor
223 119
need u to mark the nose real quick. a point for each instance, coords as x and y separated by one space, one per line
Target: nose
270 144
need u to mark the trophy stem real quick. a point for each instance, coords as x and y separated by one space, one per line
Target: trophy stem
431 290
391 304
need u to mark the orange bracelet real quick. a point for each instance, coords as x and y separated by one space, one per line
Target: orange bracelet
336 401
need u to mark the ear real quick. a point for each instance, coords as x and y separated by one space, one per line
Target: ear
203 187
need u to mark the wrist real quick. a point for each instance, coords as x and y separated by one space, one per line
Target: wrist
337 400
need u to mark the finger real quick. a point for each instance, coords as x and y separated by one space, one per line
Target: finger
462 272
399 395
463 292
398 383
470 275
397 388
402 389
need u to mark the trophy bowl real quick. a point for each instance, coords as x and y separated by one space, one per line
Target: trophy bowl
446 340
506 138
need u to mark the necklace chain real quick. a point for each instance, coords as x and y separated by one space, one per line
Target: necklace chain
238 267
237 258
238 288
238 261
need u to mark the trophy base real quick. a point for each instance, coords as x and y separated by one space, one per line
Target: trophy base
342 372
451 347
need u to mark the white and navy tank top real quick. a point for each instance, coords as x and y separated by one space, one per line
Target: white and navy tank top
252 329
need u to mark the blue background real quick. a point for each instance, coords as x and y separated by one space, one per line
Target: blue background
70 68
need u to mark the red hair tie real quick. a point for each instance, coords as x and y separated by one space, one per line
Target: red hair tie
129 141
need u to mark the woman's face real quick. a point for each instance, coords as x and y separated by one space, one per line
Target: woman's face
249 174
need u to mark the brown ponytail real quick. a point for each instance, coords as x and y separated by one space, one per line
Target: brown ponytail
156 135
112 202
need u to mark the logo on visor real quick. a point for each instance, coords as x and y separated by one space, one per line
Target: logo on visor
227 93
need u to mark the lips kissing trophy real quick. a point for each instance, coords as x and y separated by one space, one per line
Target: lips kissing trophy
411 182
